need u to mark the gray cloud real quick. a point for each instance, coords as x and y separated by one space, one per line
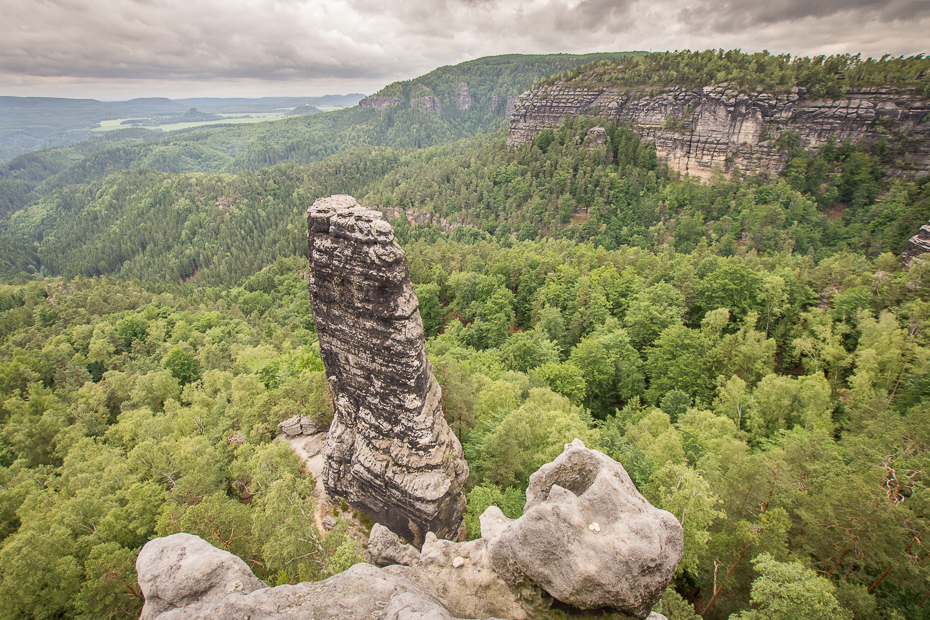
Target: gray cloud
728 17
337 43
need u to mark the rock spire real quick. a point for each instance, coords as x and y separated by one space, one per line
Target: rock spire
390 452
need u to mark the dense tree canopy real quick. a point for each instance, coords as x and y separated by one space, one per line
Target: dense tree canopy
750 349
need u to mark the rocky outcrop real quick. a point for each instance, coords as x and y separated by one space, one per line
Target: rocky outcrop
698 130
184 570
385 548
379 102
415 218
300 425
428 104
184 578
586 538
595 136
389 451
464 100
917 245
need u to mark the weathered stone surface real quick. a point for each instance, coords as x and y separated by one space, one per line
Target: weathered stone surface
389 451
412 607
182 570
587 536
415 218
470 587
291 426
623 565
917 245
464 100
427 103
183 577
298 425
379 102
385 548
595 136
717 126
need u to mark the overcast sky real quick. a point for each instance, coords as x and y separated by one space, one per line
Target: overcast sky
118 49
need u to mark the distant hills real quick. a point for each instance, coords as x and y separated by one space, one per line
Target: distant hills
300 139
31 123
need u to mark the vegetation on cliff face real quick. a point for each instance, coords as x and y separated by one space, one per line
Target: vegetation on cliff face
822 76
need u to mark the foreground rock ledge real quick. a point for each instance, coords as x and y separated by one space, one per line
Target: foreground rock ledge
390 452
513 571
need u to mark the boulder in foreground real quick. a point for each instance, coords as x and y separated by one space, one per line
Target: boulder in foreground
587 538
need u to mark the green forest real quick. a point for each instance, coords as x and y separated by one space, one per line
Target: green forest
752 349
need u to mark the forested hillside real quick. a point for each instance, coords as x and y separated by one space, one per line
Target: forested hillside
751 349
30 123
301 139
489 81
774 404
220 228
828 76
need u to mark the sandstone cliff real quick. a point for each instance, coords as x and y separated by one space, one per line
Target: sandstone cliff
379 102
389 451
697 130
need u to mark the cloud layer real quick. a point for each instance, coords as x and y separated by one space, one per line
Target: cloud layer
223 47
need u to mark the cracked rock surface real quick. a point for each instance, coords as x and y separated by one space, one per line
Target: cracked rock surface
917 245
389 452
696 131
587 536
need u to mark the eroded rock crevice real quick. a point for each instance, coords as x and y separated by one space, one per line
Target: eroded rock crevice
389 452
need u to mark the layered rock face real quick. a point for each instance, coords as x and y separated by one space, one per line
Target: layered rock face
389 452
696 131
917 245
586 538
464 100
379 102
298 425
415 218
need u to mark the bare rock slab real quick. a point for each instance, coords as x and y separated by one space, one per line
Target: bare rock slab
184 577
389 452
587 536
182 569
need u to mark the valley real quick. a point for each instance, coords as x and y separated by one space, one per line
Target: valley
693 263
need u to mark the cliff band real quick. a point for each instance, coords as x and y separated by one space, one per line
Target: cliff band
697 130
390 452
